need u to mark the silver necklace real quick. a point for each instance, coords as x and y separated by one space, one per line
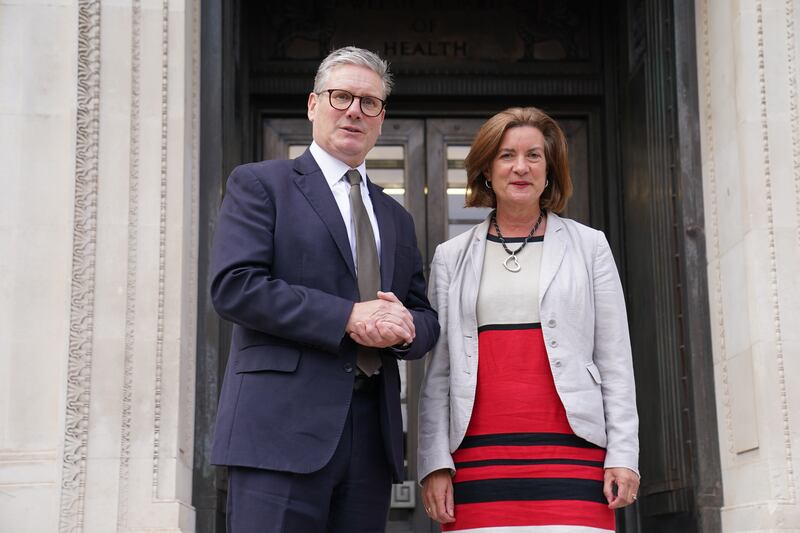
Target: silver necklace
511 263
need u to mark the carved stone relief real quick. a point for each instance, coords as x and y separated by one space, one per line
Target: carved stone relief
79 366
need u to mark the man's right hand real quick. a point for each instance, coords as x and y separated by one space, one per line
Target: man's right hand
381 323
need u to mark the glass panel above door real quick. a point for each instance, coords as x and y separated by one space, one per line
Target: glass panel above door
459 218
386 166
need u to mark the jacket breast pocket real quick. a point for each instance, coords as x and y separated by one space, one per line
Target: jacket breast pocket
267 358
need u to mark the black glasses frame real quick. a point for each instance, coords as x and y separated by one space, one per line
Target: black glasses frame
353 97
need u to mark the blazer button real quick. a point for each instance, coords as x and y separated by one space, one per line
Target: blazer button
554 343
551 323
348 367
557 362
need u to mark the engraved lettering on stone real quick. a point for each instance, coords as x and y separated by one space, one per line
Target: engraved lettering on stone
426 48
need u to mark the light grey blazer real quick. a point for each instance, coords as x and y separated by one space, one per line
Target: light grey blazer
585 329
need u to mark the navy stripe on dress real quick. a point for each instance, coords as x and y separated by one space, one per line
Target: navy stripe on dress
509 327
527 439
494 490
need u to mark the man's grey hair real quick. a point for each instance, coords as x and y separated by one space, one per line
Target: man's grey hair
350 55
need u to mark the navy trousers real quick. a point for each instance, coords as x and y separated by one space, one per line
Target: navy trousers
348 495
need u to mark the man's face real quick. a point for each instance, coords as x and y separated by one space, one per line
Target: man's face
349 134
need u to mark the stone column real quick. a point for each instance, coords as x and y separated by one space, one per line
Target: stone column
750 121
98 221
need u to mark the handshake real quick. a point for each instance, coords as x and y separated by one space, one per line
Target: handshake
381 323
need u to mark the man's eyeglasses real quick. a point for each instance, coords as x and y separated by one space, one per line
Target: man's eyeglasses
340 99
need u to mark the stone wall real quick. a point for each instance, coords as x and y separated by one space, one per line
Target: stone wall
750 121
98 258
98 221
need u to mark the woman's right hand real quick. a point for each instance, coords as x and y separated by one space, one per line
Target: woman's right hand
437 496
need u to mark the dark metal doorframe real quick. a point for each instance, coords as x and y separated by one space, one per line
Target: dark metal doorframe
215 54
222 147
708 472
662 195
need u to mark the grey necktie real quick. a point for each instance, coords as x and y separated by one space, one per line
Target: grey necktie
369 273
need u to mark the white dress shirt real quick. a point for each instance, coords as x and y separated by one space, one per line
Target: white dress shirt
334 172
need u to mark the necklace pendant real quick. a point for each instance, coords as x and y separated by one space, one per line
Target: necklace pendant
511 263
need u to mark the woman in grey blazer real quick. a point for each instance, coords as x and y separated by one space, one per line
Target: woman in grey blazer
528 410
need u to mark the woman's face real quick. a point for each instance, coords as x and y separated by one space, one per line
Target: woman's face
519 169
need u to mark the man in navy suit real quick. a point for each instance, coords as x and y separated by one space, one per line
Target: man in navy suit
309 419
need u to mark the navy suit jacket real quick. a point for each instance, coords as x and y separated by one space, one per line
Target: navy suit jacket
282 271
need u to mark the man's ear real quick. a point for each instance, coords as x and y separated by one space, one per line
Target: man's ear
383 117
313 100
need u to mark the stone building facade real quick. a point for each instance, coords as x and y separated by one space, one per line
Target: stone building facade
100 253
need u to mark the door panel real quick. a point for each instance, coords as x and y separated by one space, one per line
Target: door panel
448 143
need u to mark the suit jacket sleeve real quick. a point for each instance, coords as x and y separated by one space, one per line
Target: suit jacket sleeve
612 355
243 288
433 451
415 300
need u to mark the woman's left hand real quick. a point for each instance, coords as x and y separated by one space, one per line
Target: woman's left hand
627 484
437 496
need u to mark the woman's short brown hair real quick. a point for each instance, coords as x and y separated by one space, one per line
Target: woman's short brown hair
487 143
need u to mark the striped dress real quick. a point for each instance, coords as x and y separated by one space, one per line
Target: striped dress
520 468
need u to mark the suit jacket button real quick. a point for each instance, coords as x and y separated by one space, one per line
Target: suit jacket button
557 362
551 323
348 367
554 343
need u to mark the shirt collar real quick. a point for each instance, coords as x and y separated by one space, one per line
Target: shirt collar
332 168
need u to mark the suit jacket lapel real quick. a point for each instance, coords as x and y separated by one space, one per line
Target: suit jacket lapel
552 253
311 182
388 233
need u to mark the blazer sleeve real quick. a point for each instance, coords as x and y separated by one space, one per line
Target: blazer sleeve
243 287
433 450
612 355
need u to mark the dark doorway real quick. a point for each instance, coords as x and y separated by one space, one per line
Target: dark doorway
620 79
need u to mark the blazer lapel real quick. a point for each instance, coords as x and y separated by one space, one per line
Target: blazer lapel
311 182
552 253
468 289
386 227
473 269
